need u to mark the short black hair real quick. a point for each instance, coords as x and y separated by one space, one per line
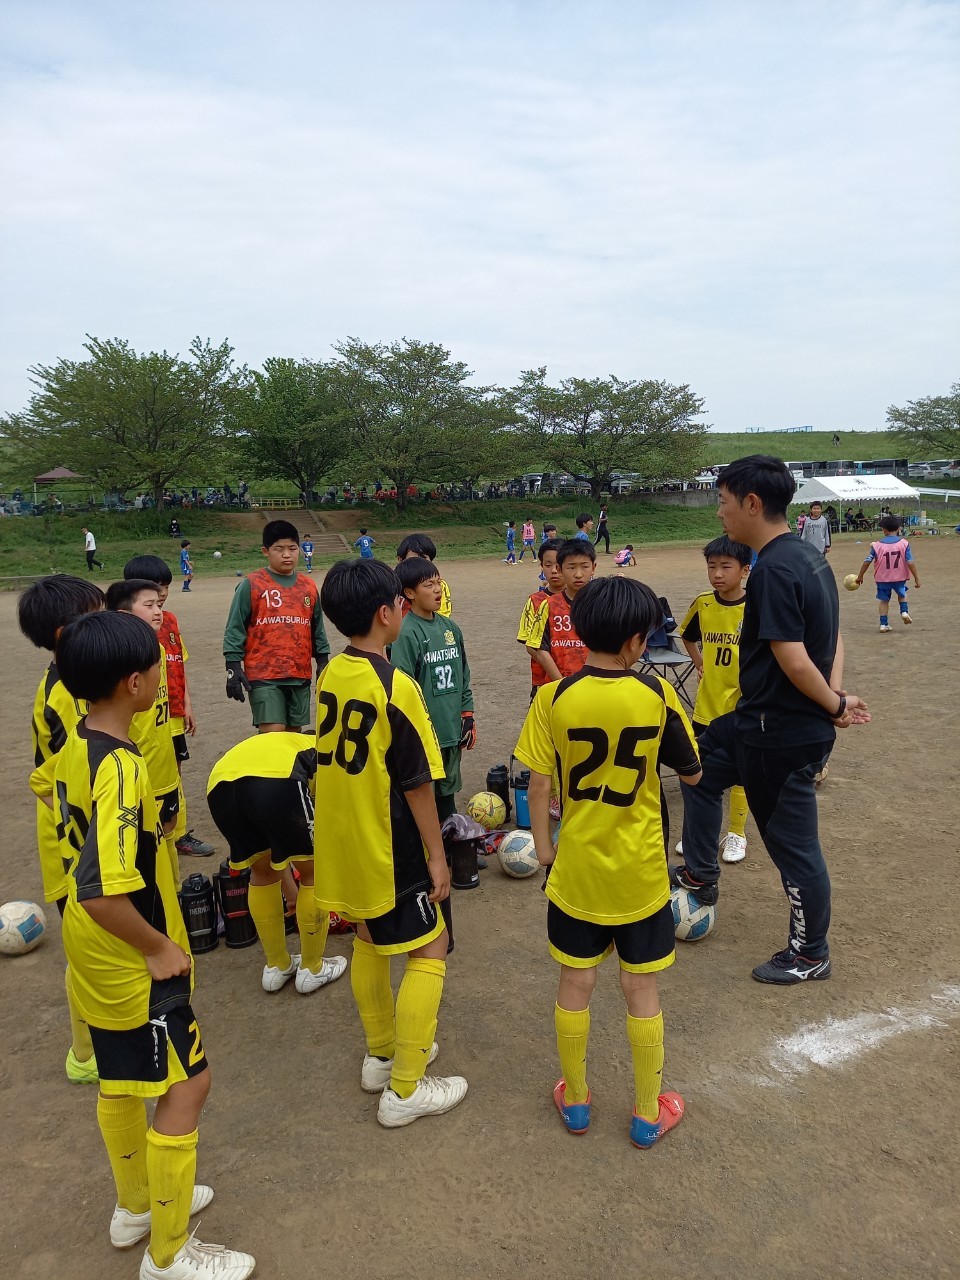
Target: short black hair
816 503
549 544
421 544
280 531
410 573
511 524
95 653
610 611
768 477
724 546
353 591
576 547
890 524
185 542
50 604
583 518
363 531
122 595
152 568
547 527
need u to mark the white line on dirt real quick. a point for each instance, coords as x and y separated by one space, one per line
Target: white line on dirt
836 1041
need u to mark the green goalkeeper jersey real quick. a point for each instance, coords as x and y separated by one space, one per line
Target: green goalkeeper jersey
431 650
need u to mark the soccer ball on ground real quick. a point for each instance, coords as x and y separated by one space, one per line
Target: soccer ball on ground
487 808
851 582
518 855
218 555
22 925
691 919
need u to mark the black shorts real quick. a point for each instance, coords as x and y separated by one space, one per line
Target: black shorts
643 946
168 806
412 923
147 1060
180 747
257 816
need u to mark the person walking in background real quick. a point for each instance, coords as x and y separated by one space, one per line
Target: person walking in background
602 529
90 549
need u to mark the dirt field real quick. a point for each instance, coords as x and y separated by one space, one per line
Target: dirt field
820 1132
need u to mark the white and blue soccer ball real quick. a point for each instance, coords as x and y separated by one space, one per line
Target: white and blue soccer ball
218 555
22 925
518 855
691 919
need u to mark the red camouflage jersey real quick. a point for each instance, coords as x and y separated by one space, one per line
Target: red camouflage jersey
173 646
279 643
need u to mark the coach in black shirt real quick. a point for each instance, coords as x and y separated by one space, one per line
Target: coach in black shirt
777 740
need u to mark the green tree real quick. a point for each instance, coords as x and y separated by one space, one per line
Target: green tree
128 420
294 424
593 427
411 415
933 423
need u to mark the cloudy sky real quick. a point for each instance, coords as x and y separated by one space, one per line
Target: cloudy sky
756 198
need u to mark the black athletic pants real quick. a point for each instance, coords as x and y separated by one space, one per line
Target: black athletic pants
91 561
782 795
604 533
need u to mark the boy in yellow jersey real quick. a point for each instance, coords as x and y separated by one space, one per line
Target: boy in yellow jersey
274 632
711 636
151 730
127 946
182 721
379 857
552 583
607 729
259 794
43 611
423 547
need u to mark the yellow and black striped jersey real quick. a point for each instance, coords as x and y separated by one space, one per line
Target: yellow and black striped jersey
112 843
56 714
716 624
375 741
152 732
267 755
605 732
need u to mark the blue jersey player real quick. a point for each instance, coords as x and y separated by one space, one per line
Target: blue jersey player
306 546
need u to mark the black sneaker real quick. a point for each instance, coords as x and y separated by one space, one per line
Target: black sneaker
705 894
787 968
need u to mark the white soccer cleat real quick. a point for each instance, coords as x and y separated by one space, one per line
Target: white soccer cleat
199 1261
128 1229
432 1097
275 979
376 1072
905 617
331 968
734 848
679 848
884 627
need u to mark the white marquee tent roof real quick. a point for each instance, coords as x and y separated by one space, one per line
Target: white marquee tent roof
858 489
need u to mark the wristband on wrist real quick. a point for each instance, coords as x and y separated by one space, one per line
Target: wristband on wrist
843 707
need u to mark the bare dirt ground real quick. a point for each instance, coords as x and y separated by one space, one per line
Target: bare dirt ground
820 1135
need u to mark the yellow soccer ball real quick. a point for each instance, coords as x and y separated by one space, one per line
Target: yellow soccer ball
851 582
488 809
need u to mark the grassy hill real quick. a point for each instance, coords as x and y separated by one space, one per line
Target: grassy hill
807 446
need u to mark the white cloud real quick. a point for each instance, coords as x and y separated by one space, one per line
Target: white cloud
757 199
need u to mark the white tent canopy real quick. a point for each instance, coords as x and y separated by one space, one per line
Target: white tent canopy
857 489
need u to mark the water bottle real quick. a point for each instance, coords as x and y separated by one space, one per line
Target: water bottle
232 886
498 781
521 786
199 913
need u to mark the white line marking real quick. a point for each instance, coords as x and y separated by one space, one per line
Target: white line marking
836 1041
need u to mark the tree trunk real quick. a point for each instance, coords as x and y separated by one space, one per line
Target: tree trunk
157 496
402 483
597 487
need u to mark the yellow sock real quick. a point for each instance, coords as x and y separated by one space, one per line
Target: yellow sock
123 1127
738 811
313 925
573 1030
266 907
80 1032
171 842
646 1043
172 1171
418 1002
370 980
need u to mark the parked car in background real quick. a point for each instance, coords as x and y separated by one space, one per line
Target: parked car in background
920 471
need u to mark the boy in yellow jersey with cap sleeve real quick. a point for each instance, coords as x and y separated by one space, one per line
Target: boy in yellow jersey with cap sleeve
606 729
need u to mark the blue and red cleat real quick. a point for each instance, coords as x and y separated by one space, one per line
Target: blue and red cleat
575 1115
644 1133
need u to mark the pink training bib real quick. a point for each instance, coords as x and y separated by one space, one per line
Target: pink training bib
890 564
